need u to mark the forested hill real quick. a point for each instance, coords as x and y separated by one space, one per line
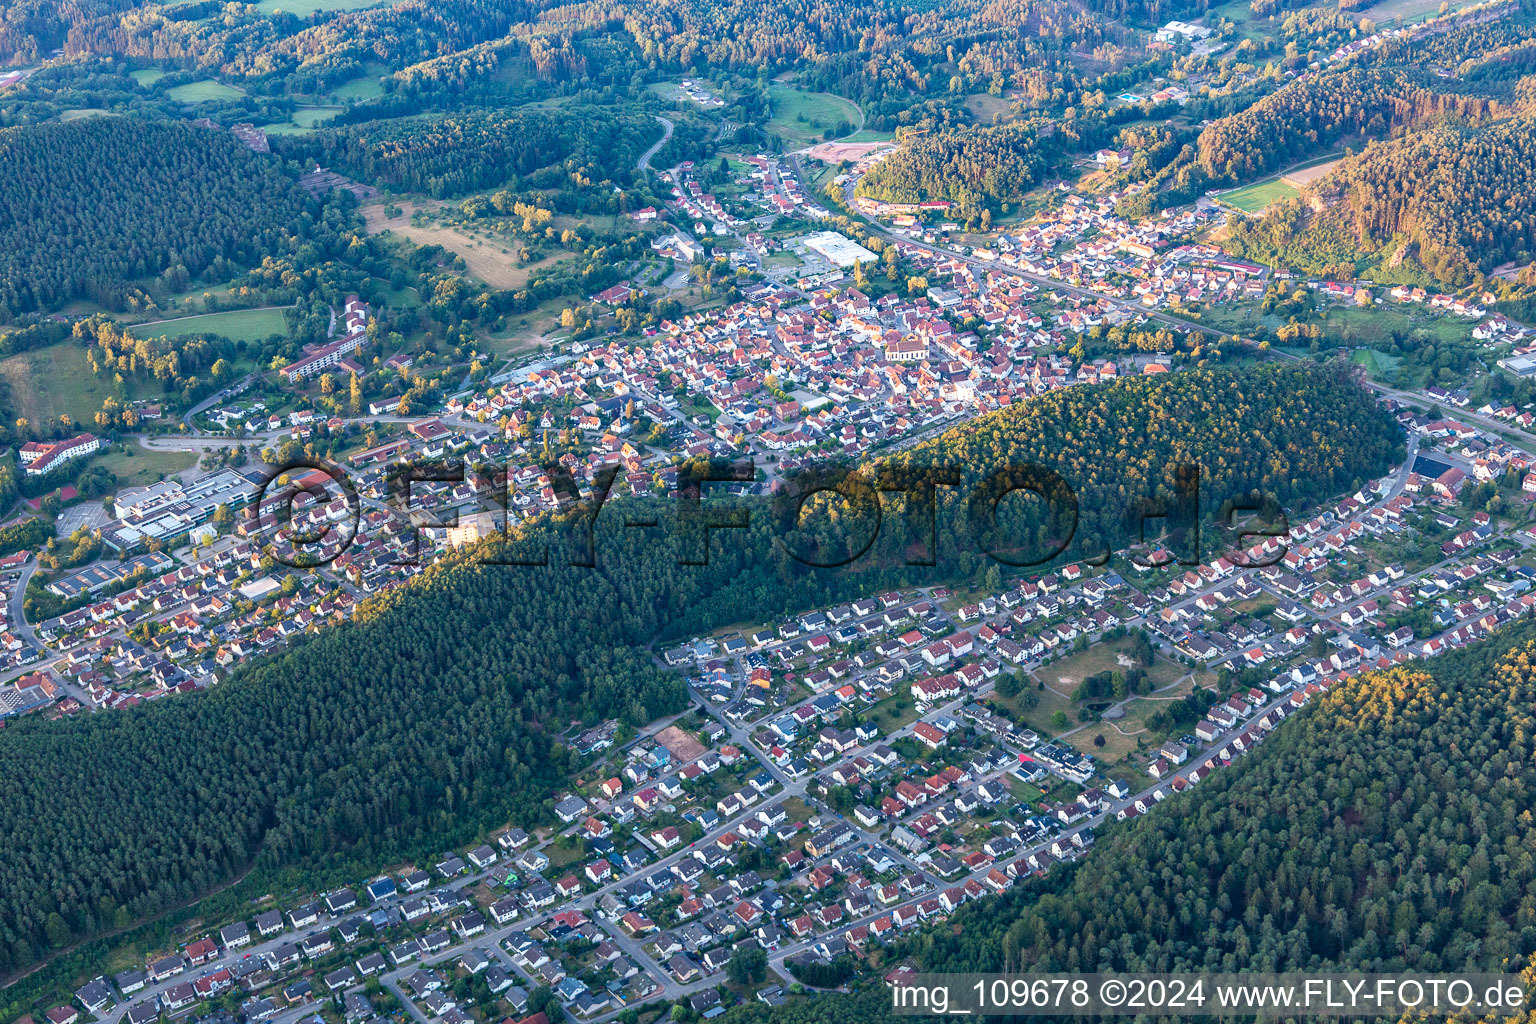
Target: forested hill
1293 122
1298 434
1450 198
89 205
1388 827
436 714
454 154
974 167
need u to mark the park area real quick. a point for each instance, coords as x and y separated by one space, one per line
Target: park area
236 325
802 118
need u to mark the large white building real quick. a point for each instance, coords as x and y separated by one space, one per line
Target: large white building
838 249
1181 30
318 359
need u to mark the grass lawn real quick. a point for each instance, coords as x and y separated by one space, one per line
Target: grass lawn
57 380
897 711
147 76
565 851
1378 322
870 135
1023 792
237 325
1164 672
313 117
800 117
1254 198
1116 748
206 91
1048 702
1067 672
1378 365
1407 10
401 298
358 90
144 466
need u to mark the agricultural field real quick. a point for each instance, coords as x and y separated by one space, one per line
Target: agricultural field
1256 197
206 91
304 120
237 325
57 381
146 77
1408 11
800 118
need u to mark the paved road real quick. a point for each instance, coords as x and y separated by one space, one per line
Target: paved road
214 399
644 163
18 616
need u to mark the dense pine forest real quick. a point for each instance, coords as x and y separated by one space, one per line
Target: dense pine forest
1451 196
1292 123
1295 434
438 711
972 167
457 154
88 206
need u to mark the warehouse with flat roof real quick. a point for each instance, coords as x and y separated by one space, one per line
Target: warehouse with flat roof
838 249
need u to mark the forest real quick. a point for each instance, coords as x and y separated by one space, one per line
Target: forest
1451 196
973 166
1300 120
454 154
1292 434
90 206
350 745
437 712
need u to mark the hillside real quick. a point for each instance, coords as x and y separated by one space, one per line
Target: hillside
1451 197
1297 121
1386 828
89 206
1298 434
459 153
437 713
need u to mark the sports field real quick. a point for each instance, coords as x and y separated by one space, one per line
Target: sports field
1254 198
237 325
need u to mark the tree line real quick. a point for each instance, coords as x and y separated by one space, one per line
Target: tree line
88 207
